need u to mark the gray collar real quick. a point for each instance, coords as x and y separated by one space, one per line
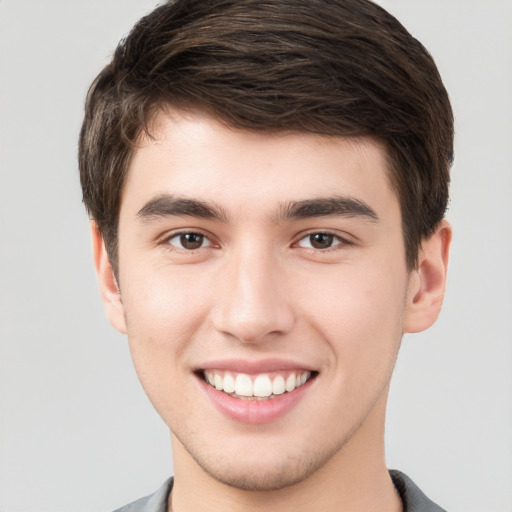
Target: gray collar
412 498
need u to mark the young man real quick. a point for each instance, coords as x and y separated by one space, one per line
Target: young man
267 183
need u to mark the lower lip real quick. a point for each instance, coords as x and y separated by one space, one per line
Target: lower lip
254 412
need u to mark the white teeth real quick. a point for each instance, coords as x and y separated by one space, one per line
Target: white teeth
278 387
290 382
259 387
243 385
262 386
218 382
229 383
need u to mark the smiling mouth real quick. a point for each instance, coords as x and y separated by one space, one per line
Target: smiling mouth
264 386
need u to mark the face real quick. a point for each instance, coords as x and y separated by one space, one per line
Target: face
264 291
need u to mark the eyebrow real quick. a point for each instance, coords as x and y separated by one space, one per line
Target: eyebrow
322 207
166 205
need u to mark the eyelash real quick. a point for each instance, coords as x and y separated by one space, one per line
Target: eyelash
340 241
180 234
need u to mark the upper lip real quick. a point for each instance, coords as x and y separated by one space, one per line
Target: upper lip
255 367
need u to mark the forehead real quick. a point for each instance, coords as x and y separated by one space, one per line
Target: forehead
195 155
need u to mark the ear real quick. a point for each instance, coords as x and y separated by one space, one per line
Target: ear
108 284
427 282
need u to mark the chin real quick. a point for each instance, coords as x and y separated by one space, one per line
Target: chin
264 473
261 479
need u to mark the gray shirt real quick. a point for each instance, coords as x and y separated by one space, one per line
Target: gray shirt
412 498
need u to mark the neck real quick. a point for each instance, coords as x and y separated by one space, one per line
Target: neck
354 479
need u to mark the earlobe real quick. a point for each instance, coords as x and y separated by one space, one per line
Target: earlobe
428 280
109 289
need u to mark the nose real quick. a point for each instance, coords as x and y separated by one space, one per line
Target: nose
252 303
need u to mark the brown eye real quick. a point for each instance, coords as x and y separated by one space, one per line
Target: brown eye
320 241
188 241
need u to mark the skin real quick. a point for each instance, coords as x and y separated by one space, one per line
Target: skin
255 290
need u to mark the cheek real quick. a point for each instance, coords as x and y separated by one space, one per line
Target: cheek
359 311
163 305
163 314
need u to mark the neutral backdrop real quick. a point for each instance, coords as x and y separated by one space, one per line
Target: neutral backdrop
76 431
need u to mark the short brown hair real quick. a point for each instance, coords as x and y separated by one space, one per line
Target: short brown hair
332 67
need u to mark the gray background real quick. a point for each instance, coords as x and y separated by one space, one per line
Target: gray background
76 431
